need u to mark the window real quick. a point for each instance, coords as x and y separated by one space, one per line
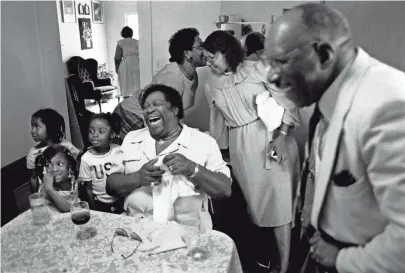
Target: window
131 20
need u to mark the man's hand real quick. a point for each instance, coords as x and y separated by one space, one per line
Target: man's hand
150 173
179 164
323 252
279 147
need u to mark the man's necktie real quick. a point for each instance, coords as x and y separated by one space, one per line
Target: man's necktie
313 122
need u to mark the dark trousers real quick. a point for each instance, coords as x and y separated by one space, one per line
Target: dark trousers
266 247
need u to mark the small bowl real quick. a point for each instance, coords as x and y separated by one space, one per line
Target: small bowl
223 18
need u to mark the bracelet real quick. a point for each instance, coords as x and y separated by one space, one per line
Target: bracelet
194 174
283 133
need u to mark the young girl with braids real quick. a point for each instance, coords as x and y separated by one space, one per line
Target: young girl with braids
97 161
47 128
57 168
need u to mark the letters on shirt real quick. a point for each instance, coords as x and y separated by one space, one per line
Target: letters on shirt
100 170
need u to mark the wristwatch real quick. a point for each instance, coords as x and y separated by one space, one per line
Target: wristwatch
194 174
283 133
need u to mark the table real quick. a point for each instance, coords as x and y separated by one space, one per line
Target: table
54 248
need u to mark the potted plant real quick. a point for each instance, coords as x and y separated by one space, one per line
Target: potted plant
103 73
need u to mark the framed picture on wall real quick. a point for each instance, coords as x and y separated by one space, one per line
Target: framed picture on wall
86 35
83 9
68 12
98 12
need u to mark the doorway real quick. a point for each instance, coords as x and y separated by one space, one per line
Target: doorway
131 20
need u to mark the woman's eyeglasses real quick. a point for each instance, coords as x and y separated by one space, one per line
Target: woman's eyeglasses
124 233
197 47
212 59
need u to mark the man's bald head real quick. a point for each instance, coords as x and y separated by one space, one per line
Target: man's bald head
324 23
309 22
306 48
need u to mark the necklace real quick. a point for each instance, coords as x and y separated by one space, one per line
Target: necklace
175 134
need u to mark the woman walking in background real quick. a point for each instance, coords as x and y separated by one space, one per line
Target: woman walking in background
127 63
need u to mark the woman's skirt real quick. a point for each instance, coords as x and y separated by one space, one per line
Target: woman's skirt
267 187
128 75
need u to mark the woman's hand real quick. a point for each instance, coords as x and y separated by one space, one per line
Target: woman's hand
179 164
279 146
150 173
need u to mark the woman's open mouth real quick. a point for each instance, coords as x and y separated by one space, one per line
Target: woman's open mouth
155 121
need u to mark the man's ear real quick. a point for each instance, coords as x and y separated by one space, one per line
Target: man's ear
176 110
187 54
326 53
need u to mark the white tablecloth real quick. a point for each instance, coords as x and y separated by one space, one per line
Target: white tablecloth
54 248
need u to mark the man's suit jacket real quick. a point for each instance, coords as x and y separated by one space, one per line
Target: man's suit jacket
365 142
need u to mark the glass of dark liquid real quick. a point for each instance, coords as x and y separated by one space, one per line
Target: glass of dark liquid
80 215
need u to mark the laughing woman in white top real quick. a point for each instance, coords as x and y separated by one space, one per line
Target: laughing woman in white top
188 154
127 63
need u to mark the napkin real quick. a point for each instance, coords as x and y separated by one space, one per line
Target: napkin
269 111
166 193
158 237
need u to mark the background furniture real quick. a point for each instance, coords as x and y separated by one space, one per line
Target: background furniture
92 87
78 94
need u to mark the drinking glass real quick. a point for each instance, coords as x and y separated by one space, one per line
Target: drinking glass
80 215
39 209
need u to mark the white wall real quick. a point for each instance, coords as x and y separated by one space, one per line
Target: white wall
70 37
32 73
254 11
378 27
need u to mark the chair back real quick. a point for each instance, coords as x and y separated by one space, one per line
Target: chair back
92 67
78 66
74 83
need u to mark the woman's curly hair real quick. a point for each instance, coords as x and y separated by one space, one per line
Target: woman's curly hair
227 44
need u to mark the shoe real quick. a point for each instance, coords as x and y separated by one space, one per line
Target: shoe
261 268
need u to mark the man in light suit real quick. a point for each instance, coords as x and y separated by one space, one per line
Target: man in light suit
357 140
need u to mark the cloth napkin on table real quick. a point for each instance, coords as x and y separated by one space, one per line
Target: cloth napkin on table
166 193
160 237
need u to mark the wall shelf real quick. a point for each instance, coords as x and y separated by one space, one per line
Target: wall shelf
241 23
219 24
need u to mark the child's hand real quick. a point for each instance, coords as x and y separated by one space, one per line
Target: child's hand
48 181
